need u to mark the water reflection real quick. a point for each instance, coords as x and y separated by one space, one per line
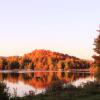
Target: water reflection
38 81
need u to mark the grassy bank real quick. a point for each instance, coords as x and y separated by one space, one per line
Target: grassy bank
91 91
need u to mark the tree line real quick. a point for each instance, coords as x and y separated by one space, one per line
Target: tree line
43 60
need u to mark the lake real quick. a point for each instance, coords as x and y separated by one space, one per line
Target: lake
26 82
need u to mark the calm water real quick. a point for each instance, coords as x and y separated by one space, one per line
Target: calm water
24 82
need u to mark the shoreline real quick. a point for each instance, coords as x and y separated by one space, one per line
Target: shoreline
59 70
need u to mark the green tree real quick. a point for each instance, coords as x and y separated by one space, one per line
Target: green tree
14 65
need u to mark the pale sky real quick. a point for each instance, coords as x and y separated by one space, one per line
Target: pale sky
66 26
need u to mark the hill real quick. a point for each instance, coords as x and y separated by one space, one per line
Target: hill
43 60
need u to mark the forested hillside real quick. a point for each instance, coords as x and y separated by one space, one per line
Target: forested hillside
43 60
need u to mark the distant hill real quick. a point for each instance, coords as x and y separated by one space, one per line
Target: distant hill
43 60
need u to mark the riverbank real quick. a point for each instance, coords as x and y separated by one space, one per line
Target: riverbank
90 91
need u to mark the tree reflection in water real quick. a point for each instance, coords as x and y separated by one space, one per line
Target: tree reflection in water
42 80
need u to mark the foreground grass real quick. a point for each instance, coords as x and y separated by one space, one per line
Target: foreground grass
91 91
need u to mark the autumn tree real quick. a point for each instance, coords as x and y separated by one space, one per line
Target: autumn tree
97 50
3 64
96 67
27 64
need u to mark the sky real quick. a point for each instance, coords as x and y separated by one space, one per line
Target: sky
66 26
